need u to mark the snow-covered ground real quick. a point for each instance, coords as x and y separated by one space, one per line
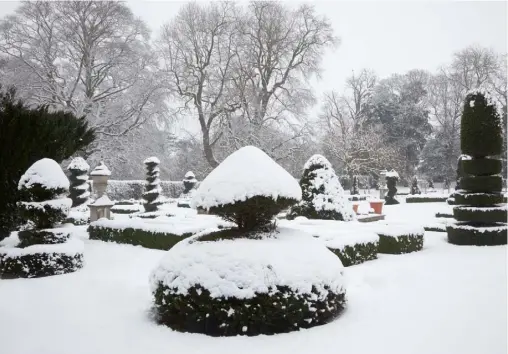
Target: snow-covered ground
445 299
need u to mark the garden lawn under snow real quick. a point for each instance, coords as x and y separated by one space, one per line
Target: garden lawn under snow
444 299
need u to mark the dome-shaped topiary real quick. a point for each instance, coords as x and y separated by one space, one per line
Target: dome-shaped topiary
481 132
247 188
322 193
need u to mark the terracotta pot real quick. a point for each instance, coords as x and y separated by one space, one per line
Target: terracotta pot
355 208
377 206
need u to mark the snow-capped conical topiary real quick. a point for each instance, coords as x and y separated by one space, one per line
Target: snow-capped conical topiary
151 196
322 193
248 188
414 186
43 251
481 218
355 190
79 189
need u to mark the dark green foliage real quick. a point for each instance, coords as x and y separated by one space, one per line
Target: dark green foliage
435 228
400 244
47 237
425 199
480 215
77 222
492 236
414 186
482 167
234 233
479 199
42 215
39 265
481 127
152 187
391 184
254 213
431 183
356 254
444 215
482 184
78 178
136 237
279 312
28 135
354 189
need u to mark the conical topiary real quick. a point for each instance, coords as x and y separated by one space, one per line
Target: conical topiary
151 196
322 193
355 190
414 186
79 188
481 219
43 251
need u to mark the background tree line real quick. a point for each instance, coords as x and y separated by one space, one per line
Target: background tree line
241 73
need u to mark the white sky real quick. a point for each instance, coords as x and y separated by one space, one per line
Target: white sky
386 36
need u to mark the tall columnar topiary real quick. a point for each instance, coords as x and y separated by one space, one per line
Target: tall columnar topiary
151 196
355 190
79 189
243 280
414 186
322 193
480 215
41 250
27 135
391 183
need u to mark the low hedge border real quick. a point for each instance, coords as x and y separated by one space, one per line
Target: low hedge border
280 311
417 199
39 265
468 235
444 215
136 237
356 254
435 228
400 244
487 215
76 222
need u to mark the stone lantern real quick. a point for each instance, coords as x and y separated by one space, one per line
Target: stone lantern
101 208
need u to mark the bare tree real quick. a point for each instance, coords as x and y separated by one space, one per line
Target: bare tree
92 58
197 48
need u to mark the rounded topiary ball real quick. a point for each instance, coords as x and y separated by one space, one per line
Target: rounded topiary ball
481 132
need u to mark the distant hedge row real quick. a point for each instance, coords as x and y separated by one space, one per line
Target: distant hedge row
133 189
422 199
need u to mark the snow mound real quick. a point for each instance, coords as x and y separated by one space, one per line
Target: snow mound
78 164
190 175
63 204
317 160
101 170
392 173
46 172
246 173
243 268
152 159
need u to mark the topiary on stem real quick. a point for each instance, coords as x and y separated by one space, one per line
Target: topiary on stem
151 196
322 193
79 188
480 219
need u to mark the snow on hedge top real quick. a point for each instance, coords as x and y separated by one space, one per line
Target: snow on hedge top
101 170
489 98
190 177
246 173
317 160
152 159
392 173
46 172
79 164
243 268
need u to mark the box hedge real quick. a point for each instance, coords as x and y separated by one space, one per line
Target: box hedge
425 199
357 253
400 244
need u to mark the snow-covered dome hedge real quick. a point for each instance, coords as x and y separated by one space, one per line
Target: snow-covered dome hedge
248 188
323 196
45 173
246 286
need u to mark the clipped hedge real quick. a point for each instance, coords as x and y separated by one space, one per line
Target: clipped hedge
356 254
133 189
465 235
136 237
482 167
281 311
38 265
435 228
444 215
422 199
480 215
400 244
482 184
